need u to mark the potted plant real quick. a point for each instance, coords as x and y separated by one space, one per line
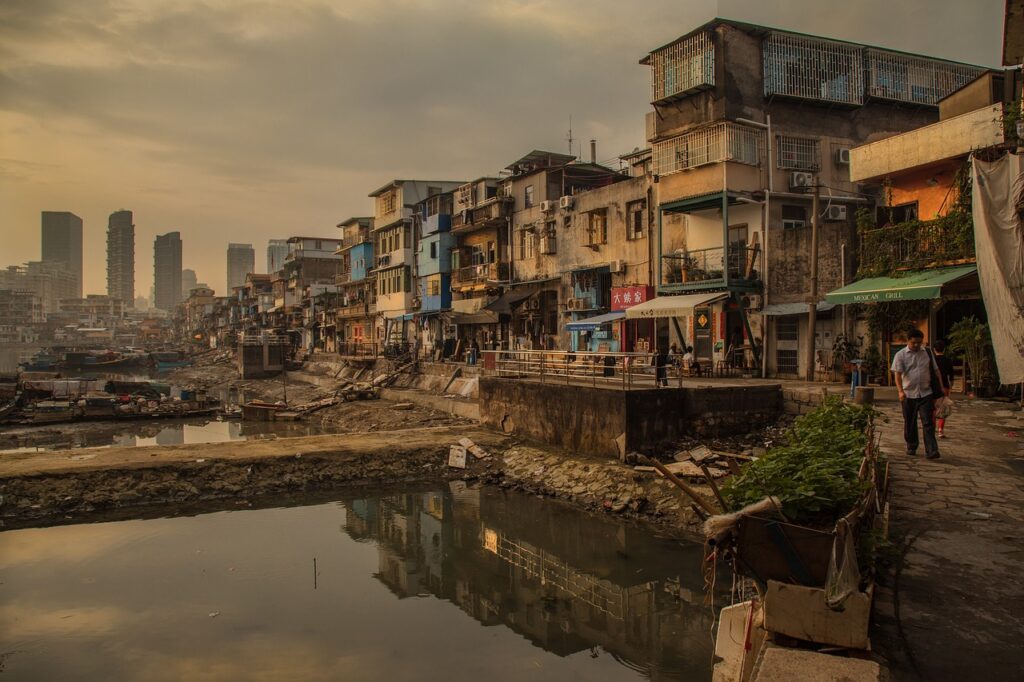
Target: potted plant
873 366
844 352
971 338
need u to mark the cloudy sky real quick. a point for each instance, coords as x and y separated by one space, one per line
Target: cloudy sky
245 120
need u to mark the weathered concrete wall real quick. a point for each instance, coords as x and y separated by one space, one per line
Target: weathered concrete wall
588 420
580 419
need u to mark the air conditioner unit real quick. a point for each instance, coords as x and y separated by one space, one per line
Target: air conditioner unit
617 266
533 304
835 212
567 202
843 156
547 206
573 304
753 302
800 180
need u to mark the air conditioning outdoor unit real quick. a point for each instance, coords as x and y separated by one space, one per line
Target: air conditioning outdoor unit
752 302
843 156
533 304
835 213
617 266
547 206
567 202
573 304
801 180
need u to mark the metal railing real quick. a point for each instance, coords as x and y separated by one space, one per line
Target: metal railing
479 274
708 265
358 349
609 370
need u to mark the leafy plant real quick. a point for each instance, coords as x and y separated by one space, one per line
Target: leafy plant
873 363
815 473
843 350
971 338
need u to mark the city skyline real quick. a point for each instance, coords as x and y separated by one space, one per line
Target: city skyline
235 168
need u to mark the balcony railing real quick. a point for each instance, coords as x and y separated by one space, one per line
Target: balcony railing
706 268
916 245
489 213
343 277
360 309
481 274
358 349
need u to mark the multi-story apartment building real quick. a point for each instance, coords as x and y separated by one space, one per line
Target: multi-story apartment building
480 259
62 243
167 270
121 256
309 271
94 310
394 248
51 282
357 304
256 299
433 223
576 227
21 312
747 121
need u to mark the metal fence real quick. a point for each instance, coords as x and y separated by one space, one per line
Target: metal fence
683 67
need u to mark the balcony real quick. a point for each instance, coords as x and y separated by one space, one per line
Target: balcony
915 245
343 277
475 275
490 213
706 269
360 309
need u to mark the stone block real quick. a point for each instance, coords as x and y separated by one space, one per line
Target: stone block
800 612
780 664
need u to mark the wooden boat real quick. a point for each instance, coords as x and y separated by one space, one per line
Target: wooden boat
40 362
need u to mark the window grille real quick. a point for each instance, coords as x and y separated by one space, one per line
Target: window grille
798 153
683 67
712 144
797 66
917 80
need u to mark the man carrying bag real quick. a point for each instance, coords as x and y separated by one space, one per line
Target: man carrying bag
918 383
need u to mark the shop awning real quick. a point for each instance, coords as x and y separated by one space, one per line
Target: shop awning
592 323
779 309
914 285
401 316
510 298
673 306
482 317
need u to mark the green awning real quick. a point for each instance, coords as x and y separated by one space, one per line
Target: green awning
914 285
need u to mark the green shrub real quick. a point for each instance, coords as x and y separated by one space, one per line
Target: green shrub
815 473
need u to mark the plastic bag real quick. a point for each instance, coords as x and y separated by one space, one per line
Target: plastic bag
843 574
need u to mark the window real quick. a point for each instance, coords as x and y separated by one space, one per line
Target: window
528 196
709 144
683 66
386 202
477 255
598 227
525 244
434 286
317 245
798 153
433 250
635 219
894 215
793 217
809 68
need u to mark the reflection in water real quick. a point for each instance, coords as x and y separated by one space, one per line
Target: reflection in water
233 595
156 432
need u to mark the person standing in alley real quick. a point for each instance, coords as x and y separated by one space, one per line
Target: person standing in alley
661 361
915 369
942 407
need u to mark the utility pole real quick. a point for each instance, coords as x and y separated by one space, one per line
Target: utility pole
812 304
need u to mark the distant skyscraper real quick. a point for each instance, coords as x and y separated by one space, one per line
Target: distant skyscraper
62 243
189 281
277 251
167 270
241 261
121 257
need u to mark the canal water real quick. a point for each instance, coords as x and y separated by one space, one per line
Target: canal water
451 584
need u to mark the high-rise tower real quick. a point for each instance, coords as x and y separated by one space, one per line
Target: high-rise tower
167 270
121 257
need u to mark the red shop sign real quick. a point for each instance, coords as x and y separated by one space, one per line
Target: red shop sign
627 297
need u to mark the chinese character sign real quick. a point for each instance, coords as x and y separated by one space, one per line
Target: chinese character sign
627 297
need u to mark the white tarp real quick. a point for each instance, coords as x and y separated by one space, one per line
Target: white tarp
999 242
672 306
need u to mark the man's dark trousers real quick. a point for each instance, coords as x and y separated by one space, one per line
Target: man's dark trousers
925 407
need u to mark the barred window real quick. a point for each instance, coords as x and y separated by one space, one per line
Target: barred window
810 68
683 67
798 153
917 80
711 144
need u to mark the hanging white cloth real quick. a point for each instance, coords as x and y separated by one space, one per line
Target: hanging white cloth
999 244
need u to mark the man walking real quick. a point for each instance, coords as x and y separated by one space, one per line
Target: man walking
915 370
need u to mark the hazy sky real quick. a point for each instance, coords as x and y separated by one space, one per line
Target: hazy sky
241 121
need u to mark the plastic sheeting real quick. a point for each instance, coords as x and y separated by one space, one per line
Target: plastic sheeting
999 243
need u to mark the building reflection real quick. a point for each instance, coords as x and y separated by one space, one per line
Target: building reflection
568 582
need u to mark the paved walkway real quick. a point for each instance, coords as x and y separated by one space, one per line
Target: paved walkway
953 607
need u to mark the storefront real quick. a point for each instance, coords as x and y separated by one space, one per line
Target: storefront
636 335
673 315
598 334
